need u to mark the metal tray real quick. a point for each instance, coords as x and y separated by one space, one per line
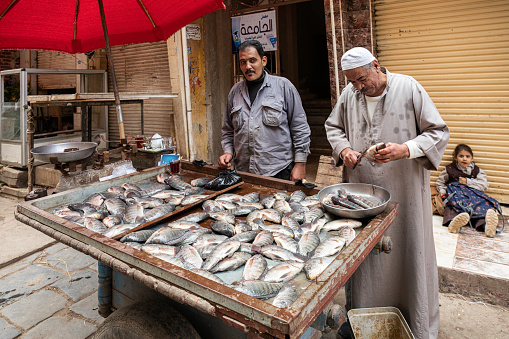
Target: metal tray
379 322
368 191
44 153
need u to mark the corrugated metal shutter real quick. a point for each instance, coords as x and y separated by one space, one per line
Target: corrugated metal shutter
142 68
58 60
458 50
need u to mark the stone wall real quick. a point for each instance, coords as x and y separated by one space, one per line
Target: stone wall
352 26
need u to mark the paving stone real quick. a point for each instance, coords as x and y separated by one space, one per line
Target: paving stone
61 328
8 331
23 282
55 248
80 285
33 309
18 265
95 267
69 259
88 308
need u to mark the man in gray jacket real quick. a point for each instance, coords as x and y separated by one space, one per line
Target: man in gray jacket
265 129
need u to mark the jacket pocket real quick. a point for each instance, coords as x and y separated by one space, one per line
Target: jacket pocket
236 117
272 113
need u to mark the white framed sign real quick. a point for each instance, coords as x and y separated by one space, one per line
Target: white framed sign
259 26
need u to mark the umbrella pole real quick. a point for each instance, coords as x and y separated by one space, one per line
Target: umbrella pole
114 78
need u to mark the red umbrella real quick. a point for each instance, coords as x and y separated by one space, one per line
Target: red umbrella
84 25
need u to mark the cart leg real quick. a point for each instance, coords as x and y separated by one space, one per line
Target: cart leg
104 289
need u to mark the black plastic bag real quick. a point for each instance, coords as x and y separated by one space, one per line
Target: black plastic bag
223 180
200 163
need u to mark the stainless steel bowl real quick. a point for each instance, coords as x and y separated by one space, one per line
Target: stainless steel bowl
44 153
372 192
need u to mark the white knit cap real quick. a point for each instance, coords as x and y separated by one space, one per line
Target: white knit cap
356 57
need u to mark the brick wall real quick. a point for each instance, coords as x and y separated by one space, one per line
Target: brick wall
9 59
352 23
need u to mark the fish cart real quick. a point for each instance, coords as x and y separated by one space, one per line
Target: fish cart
212 309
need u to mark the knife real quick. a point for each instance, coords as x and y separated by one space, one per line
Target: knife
360 158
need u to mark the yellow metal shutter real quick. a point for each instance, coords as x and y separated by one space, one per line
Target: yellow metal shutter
459 51
142 68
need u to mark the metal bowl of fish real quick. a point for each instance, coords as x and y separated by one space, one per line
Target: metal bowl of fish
354 200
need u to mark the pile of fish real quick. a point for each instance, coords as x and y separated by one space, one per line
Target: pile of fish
271 241
343 199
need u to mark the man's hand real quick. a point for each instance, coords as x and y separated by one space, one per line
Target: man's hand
391 152
298 171
350 157
225 160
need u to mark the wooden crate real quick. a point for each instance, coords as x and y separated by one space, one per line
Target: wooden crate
328 173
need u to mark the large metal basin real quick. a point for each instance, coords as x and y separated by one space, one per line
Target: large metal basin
44 153
369 191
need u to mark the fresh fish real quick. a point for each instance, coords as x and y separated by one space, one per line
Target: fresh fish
227 205
95 199
134 244
207 275
171 259
68 214
313 214
156 249
200 182
95 225
232 263
221 251
308 243
209 239
337 224
331 246
242 210
137 236
175 200
256 205
285 297
146 202
127 186
115 206
190 256
268 202
158 212
133 214
310 203
249 248
282 206
286 242
130 193
150 191
265 215
347 233
314 267
230 197
355 199
165 194
112 220
205 250
298 207
284 271
280 195
242 227
258 289
192 235
223 216
191 199
119 229
263 238
77 219
345 203
115 190
183 225
194 191
167 236
297 216
255 267
372 151
297 196
313 226
279 253
244 236
279 228
294 225
161 177
195 217
222 227
252 197
177 183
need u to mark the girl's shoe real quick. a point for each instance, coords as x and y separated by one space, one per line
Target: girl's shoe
491 223
459 221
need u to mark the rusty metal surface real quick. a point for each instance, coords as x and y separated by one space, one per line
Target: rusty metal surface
379 322
257 315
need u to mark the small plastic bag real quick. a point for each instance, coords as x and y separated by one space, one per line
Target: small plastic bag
223 180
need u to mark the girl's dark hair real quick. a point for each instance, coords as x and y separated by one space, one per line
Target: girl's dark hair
462 147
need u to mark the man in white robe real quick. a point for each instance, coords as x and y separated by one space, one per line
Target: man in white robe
378 106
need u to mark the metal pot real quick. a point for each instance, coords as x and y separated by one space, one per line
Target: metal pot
64 152
369 191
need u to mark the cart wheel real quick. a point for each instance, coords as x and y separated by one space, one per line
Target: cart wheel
146 320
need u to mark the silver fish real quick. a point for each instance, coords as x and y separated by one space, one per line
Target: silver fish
178 184
310 203
171 259
249 248
244 236
146 202
183 225
347 233
137 236
258 289
232 263
127 186
211 206
191 199
282 195
372 151
148 192
167 236
298 207
256 205
282 206
77 219
279 228
200 182
194 191
252 197
227 205
207 275
116 190
297 216
294 225
134 244
242 227
338 224
279 253
158 212
95 199
297 196
313 214
221 251
268 202
223 216
314 267
112 220
165 194
308 243
209 239
190 256
130 193
195 217
156 249
133 213
286 242
115 206
175 200
242 210
331 246
284 272
161 177
119 229
222 227
95 225
263 238
192 235
285 297
255 267
230 197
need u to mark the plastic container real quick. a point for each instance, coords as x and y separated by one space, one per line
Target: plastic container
379 323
